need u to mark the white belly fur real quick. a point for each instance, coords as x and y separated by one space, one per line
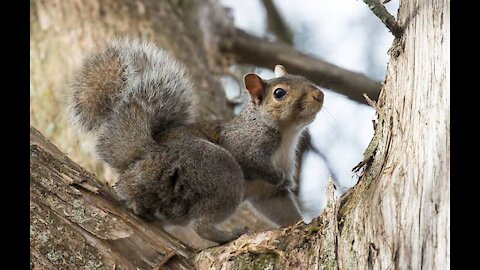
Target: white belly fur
284 158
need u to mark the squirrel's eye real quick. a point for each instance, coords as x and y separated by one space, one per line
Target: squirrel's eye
279 93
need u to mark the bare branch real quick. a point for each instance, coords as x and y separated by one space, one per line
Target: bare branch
249 49
275 23
381 12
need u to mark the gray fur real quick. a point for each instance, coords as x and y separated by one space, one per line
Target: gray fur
264 140
144 72
253 141
127 94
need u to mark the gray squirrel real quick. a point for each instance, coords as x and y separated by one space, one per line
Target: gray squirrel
140 104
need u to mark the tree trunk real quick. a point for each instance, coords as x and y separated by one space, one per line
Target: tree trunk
397 216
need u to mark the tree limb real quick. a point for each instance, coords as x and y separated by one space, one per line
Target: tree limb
74 227
249 49
222 39
382 13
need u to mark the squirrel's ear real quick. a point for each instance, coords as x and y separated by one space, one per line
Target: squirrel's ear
254 84
280 71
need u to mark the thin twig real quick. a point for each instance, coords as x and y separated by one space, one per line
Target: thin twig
320 154
381 12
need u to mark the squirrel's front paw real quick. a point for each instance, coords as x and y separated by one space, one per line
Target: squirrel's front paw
209 232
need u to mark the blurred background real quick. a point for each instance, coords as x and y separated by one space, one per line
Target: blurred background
342 32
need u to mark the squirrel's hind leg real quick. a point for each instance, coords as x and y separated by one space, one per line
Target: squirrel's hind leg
208 231
221 186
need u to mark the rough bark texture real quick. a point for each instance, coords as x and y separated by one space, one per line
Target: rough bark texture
398 215
75 223
401 208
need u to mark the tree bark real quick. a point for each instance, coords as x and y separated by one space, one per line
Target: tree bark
75 223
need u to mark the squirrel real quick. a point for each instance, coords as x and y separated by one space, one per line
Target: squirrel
139 103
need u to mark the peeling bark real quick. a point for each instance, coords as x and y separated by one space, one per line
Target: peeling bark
382 13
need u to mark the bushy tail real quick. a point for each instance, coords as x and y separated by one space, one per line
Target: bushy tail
127 92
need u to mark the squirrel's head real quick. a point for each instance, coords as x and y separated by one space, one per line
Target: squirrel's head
286 99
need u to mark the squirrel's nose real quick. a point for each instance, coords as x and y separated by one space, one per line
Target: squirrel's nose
318 95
